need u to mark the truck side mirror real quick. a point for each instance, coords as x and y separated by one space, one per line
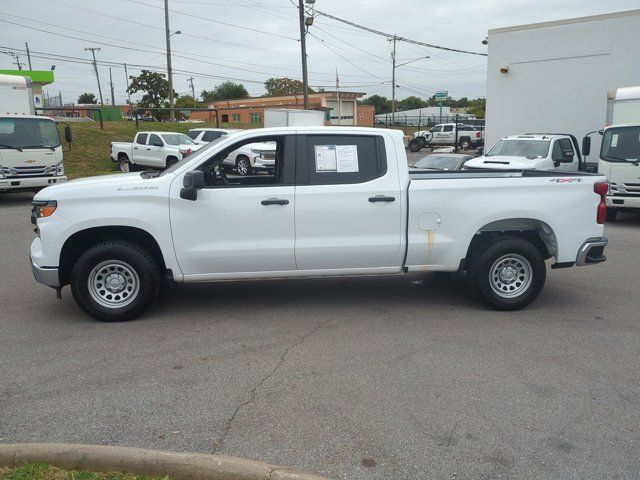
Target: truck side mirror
586 146
67 134
192 182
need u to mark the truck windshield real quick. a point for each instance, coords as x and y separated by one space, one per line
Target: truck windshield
520 148
621 144
177 139
28 133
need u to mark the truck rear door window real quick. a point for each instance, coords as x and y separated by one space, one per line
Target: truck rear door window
340 159
141 139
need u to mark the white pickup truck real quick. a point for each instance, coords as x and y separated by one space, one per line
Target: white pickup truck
247 159
532 151
341 201
152 149
469 136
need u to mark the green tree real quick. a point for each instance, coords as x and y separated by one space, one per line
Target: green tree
225 91
87 98
155 87
477 107
277 87
381 104
186 101
410 103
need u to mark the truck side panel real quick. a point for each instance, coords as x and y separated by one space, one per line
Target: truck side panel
446 212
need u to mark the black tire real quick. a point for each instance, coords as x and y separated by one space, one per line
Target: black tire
509 265
243 165
465 143
415 145
612 214
124 165
171 161
134 261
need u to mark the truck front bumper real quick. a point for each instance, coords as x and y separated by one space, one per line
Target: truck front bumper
28 183
592 251
623 202
48 276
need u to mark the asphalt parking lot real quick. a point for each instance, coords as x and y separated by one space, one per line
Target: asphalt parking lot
354 379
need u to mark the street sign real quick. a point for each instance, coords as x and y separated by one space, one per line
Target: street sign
442 95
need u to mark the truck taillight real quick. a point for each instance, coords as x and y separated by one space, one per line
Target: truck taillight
601 188
477 134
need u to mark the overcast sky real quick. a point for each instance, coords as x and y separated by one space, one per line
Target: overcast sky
211 50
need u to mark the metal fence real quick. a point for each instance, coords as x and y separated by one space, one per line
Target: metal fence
403 120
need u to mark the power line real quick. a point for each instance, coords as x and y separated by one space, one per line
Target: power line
402 39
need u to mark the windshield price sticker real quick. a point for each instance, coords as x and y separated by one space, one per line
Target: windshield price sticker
337 158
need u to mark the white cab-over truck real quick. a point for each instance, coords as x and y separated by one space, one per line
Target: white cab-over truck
30 148
619 158
341 202
152 149
532 151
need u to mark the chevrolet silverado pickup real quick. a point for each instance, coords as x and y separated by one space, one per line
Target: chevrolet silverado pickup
153 150
341 201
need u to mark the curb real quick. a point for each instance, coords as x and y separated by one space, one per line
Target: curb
179 466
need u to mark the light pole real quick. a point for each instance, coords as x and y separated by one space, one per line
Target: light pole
393 79
172 115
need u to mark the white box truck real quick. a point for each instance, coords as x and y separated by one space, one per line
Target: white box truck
30 147
291 117
619 157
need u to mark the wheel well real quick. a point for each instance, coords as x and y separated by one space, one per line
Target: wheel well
79 242
538 233
123 155
241 156
171 157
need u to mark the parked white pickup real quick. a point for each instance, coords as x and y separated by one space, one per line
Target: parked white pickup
245 160
445 134
152 149
341 201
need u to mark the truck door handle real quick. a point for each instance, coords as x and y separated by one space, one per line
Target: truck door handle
382 198
135 148
275 201
148 149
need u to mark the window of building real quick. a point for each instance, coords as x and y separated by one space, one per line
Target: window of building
255 118
236 117
225 118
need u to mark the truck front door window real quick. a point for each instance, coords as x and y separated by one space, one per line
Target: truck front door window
141 139
621 144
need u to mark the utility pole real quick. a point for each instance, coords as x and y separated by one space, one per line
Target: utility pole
193 91
18 62
28 55
126 75
113 100
393 81
172 114
303 49
93 51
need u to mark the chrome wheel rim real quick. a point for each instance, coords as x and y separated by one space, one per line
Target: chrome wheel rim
510 275
124 166
242 166
113 284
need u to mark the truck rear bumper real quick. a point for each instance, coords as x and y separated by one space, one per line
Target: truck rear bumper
28 183
592 251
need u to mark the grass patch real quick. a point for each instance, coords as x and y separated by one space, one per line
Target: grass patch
91 147
41 471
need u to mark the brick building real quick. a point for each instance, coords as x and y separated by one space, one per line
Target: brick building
251 110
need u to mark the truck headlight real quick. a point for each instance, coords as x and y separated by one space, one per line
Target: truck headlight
59 168
42 209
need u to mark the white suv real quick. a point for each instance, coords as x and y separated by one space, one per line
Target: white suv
247 159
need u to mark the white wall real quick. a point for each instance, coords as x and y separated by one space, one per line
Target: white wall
559 74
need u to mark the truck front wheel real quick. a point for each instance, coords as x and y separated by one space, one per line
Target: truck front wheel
115 281
415 144
506 273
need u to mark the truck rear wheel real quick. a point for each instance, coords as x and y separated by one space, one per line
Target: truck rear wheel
124 165
465 143
506 273
115 281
